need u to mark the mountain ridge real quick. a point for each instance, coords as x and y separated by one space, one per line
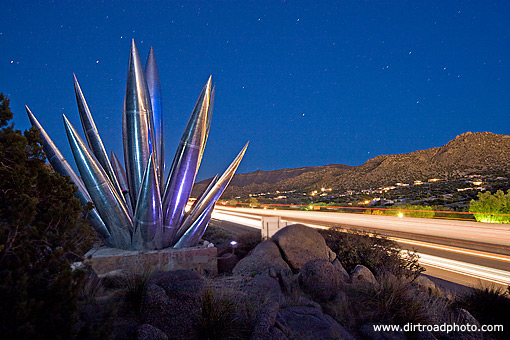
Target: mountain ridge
468 153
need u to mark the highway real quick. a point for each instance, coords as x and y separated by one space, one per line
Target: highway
467 253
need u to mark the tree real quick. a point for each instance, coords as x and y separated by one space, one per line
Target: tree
497 204
41 226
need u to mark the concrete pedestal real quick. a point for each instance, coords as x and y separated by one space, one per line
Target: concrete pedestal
199 259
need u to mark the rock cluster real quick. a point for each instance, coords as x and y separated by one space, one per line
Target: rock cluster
286 286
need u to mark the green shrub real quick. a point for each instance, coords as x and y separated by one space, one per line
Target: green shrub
377 253
41 229
497 203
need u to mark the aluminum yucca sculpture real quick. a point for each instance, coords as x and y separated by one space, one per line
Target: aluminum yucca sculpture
133 209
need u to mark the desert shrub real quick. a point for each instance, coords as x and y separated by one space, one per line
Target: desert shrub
42 230
395 300
377 253
490 306
497 203
246 242
134 288
374 212
221 317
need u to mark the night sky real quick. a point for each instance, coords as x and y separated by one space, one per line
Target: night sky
307 84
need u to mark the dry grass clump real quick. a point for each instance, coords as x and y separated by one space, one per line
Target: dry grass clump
134 288
489 305
222 317
394 300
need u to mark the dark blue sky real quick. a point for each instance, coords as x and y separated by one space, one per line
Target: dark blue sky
307 84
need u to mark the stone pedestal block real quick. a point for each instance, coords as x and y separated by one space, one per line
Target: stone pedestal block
199 259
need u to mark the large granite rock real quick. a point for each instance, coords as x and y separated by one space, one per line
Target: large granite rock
300 244
320 279
361 274
265 256
264 324
262 289
309 323
344 275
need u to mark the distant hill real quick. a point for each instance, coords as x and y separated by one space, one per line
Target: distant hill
469 153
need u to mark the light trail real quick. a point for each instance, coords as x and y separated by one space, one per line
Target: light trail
497 276
476 253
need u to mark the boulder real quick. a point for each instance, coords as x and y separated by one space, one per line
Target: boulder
309 323
319 279
261 290
123 328
180 284
177 317
362 274
265 256
344 275
148 332
300 244
426 283
264 324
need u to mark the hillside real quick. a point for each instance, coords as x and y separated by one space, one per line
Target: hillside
469 153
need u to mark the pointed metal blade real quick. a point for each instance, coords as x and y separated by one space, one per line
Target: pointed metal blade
121 175
195 232
185 166
212 196
135 124
154 86
92 135
209 116
148 215
60 165
106 200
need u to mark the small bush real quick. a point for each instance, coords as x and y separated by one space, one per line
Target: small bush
42 230
247 242
135 285
220 318
377 253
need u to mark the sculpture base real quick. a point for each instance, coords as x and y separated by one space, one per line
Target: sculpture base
199 259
